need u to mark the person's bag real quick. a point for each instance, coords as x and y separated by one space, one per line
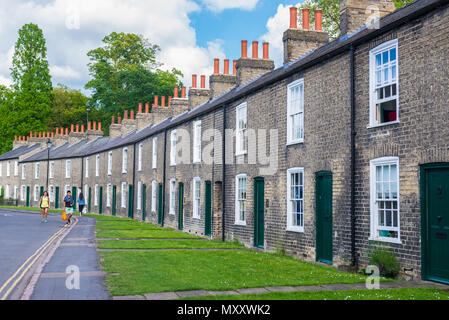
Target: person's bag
84 210
64 215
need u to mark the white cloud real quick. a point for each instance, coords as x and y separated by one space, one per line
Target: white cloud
276 25
220 5
73 27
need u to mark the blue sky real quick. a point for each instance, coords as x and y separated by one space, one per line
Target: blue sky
191 33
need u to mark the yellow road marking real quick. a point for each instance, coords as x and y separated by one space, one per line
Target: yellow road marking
37 252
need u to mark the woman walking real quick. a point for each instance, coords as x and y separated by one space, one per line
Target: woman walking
82 203
44 204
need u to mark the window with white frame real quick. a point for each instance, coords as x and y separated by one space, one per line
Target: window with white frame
8 168
68 168
153 195
23 193
384 206
139 159
241 138
384 91
125 160
97 165
108 195
295 199
16 168
67 188
37 170
51 193
172 196
36 192
139 195
16 193
197 141
87 167
24 171
173 141
295 112
240 199
7 191
1 169
154 153
123 194
196 198
96 195
52 170
110 163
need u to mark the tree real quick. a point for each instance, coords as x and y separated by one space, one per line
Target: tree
400 3
125 72
30 101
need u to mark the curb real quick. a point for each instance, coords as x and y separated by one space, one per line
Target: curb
29 289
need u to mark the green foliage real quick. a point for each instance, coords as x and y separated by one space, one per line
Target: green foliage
124 73
2 193
386 262
330 14
400 3
27 105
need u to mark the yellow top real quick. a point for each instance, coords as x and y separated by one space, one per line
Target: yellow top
44 203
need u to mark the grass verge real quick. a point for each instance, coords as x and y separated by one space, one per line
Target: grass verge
147 272
382 294
168 244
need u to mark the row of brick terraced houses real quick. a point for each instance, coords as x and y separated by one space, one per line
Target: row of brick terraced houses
344 147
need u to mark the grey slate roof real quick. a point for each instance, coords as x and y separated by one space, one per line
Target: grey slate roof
330 49
17 152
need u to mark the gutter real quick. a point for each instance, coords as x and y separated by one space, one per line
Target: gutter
223 184
354 261
164 177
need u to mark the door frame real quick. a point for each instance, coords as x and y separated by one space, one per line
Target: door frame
424 226
208 207
180 206
317 175
256 216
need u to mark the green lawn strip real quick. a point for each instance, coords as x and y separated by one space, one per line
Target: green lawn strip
167 244
126 225
382 294
147 272
144 234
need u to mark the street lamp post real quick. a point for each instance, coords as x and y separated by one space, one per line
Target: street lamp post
48 159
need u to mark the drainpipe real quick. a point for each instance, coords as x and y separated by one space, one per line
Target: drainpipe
134 179
353 134
164 177
223 168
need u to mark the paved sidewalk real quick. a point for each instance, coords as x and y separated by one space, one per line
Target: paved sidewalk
77 249
324 287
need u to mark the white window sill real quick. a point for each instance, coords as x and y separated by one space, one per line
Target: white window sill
397 241
172 213
124 172
291 143
240 153
196 161
195 217
295 229
172 164
240 223
371 126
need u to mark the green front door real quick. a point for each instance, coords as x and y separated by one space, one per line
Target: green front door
74 196
144 202
435 223
28 196
259 214
89 200
100 207
114 200
56 198
159 205
323 191
130 201
208 209
42 191
180 206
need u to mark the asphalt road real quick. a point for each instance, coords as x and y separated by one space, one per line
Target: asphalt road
21 234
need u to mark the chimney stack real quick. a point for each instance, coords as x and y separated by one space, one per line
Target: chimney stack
220 83
354 14
247 69
298 42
